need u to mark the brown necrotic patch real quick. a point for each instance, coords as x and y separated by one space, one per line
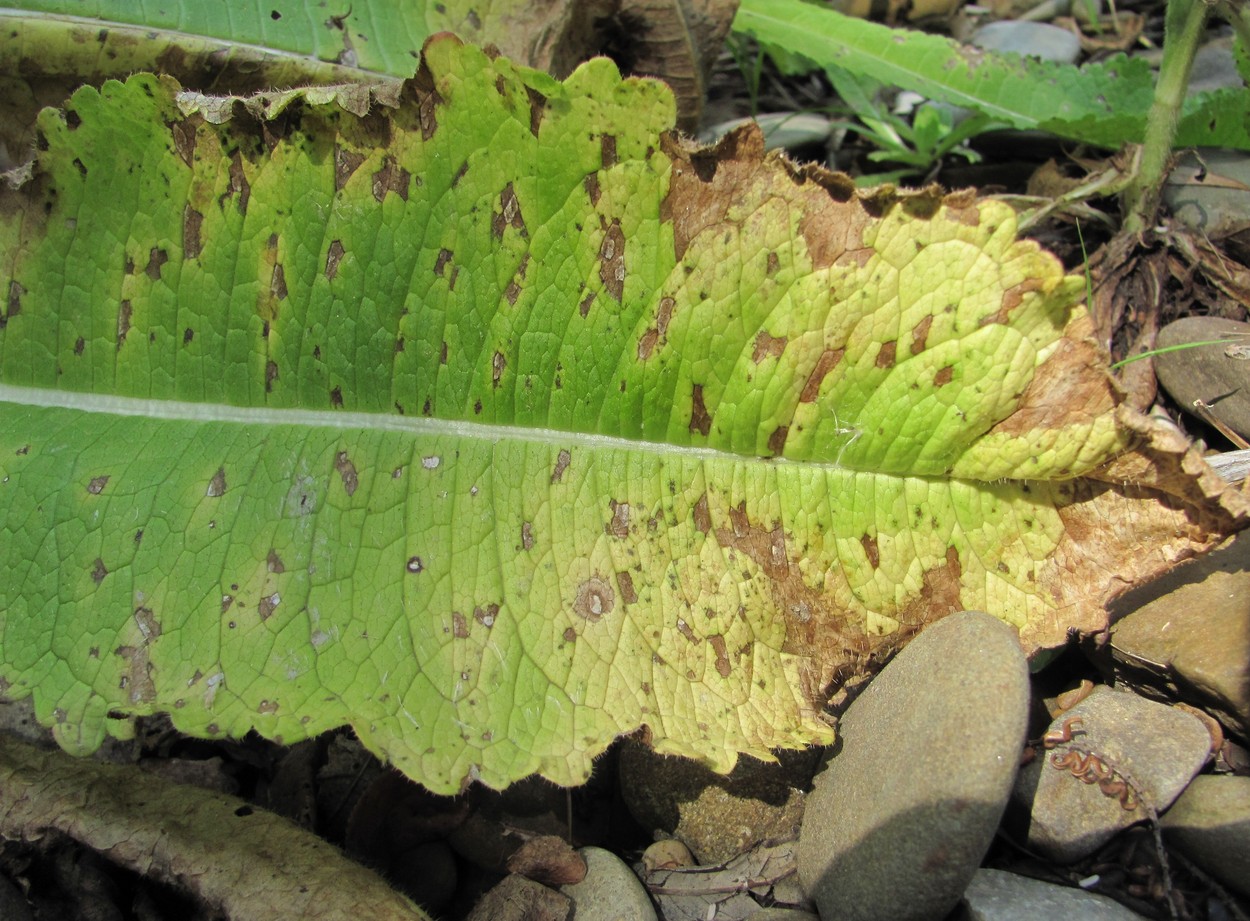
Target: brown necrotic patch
237 187
625 582
183 133
717 643
646 344
336 397
216 484
886 353
459 625
123 322
538 105
871 551
347 472
98 571
584 307
920 334
562 464
527 535
440 262
1012 298
612 260
486 615
334 255
591 185
497 365
594 598
346 162
277 283
80 345
271 375
607 150
700 418
267 605
460 174
391 177
618 524
508 215
702 515
192 221
97 484
944 376
767 345
828 360
157 257
273 562
777 440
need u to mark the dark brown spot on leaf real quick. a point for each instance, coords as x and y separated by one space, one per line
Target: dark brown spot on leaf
538 104
157 257
277 283
944 376
414 565
391 177
347 472
97 484
767 345
869 543
664 315
722 654
594 599
920 334
184 140
271 375
486 616
612 260
625 582
527 535
1013 297
591 184
885 354
512 292
336 397
192 220
80 344
334 255
646 345
217 485
607 150
346 162
98 571
440 262
570 634
273 562
497 365
460 174
584 307
562 464
700 419
459 625
828 360
268 604
774 263
777 440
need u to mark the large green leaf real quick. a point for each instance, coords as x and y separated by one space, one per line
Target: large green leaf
503 423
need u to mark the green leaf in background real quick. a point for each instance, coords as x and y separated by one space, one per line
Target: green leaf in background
1103 103
503 422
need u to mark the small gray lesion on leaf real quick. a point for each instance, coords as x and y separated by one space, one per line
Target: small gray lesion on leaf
440 262
97 484
271 374
80 345
123 323
486 615
273 562
591 185
538 105
98 571
460 626
183 132
347 472
13 306
217 485
497 365
527 535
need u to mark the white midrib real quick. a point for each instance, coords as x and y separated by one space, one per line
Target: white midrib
421 426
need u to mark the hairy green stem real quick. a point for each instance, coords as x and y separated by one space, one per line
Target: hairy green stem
1186 20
